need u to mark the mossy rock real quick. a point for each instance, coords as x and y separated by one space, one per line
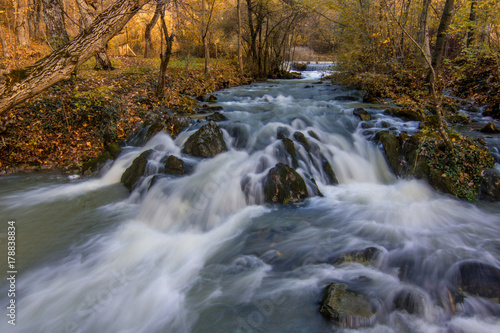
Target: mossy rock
362 114
91 167
346 308
301 138
114 150
131 176
365 257
284 185
175 166
490 128
208 141
459 119
406 114
216 116
490 185
290 149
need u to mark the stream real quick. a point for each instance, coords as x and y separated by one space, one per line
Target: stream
204 253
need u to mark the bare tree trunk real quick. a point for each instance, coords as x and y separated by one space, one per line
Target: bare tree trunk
35 18
423 31
5 47
471 31
438 53
148 45
102 60
164 56
204 36
21 22
21 84
240 51
54 21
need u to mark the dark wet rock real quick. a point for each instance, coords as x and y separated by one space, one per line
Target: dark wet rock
114 150
362 114
314 189
407 114
290 149
92 166
211 99
175 166
300 137
370 98
284 185
346 308
410 300
313 135
490 185
240 133
367 125
390 144
490 128
459 119
209 108
282 133
216 116
477 279
208 141
327 168
308 86
134 172
364 257
345 99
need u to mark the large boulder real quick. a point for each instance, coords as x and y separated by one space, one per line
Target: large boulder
475 278
134 172
284 185
346 308
208 141
490 128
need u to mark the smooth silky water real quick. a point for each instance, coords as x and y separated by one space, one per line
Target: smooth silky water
203 253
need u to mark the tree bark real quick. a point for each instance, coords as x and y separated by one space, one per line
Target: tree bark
471 31
423 32
54 21
102 60
164 56
148 45
204 36
21 84
35 19
240 51
5 47
21 22
438 53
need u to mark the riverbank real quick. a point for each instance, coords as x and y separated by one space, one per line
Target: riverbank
470 107
77 120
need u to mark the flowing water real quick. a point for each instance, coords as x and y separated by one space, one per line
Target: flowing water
203 253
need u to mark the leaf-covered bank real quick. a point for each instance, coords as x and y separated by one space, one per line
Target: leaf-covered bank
77 120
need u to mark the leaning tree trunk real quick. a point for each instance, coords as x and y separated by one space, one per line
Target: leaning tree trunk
86 11
57 35
21 84
148 45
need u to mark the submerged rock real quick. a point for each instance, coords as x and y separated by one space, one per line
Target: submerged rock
364 257
208 141
282 133
134 172
284 185
91 167
410 300
477 279
345 99
346 308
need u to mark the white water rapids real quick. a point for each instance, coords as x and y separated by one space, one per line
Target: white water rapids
203 253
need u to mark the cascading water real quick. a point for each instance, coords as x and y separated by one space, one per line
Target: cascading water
203 253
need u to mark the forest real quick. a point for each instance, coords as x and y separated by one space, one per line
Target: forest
80 76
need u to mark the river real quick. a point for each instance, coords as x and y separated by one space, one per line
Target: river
203 253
